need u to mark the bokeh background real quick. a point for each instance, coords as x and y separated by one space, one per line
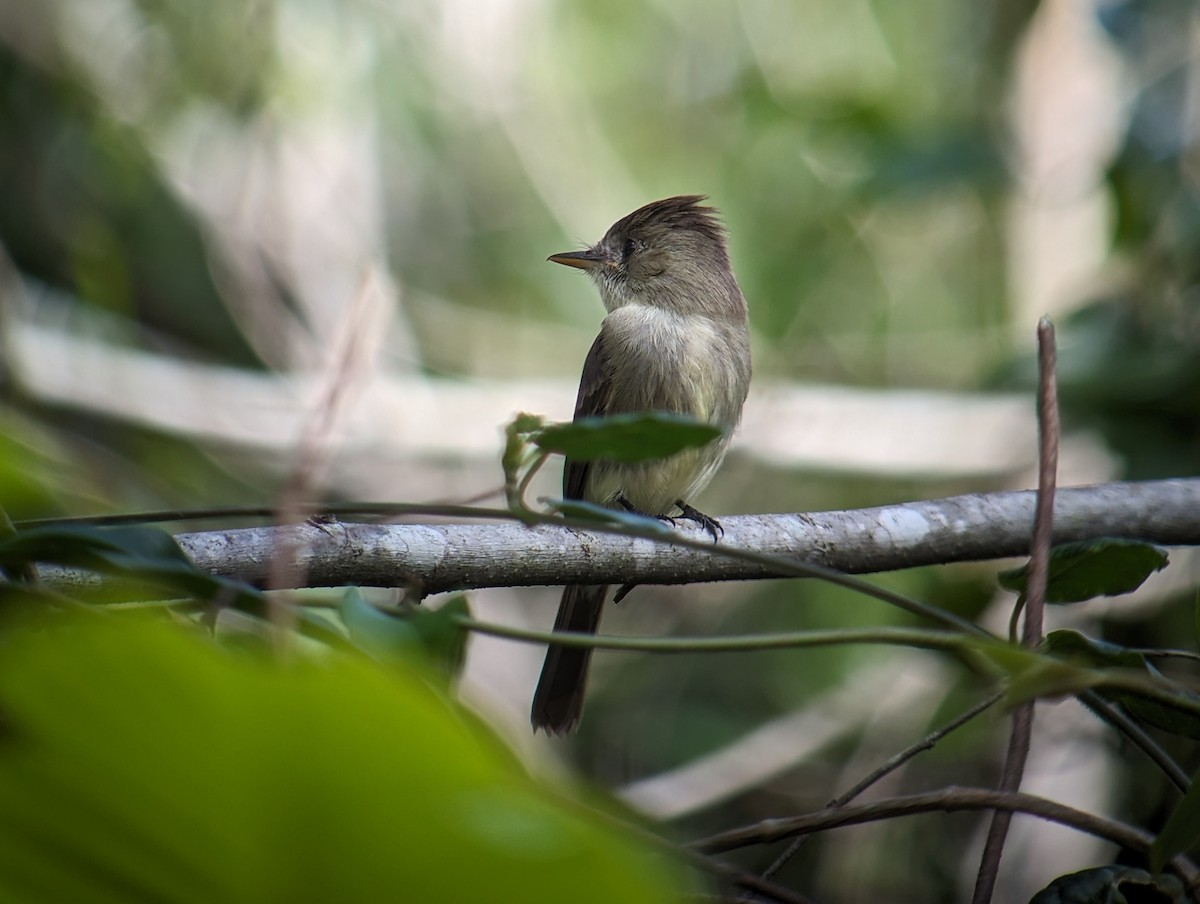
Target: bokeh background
209 209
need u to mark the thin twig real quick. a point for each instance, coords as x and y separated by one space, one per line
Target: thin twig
1043 525
1115 717
1162 690
892 764
918 638
948 800
344 368
704 862
1035 604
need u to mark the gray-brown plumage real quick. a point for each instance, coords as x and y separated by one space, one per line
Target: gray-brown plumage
675 340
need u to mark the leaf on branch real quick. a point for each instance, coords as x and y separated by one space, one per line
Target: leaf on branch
146 556
1091 568
1182 829
1111 885
590 511
1029 674
627 437
1156 711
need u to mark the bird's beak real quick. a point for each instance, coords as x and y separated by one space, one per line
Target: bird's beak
584 260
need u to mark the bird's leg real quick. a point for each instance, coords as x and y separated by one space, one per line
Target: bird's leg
633 509
623 592
709 523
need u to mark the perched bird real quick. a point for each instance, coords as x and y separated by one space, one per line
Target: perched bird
675 339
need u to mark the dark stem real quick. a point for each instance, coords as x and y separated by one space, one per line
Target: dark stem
946 800
888 767
1035 603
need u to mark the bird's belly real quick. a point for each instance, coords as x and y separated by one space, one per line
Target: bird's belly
654 487
675 364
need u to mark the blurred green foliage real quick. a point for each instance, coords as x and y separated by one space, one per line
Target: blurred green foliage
1129 364
137 762
863 156
88 212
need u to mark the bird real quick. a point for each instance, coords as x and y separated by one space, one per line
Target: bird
675 339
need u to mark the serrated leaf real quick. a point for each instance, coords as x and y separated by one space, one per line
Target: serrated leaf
642 436
1182 829
1091 568
1152 711
1156 711
1111 885
590 511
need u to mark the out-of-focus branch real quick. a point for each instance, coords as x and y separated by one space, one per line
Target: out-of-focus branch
947 800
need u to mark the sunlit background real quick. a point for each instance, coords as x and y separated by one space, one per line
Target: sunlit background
237 230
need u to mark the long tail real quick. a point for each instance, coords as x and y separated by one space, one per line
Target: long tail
558 700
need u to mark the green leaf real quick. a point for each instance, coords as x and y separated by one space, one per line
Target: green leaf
433 635
590 511
1029 674
1091 568
526 423
1182 829
1111 885
1179 719
84 546
627 437
1091 651
140 761
147 557
516 443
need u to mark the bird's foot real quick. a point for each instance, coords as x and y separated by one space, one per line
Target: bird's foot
709 523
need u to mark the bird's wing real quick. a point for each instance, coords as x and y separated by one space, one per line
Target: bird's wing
592 401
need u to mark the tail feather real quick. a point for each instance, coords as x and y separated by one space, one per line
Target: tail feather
558 700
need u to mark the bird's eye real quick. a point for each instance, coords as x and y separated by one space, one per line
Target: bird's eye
631 247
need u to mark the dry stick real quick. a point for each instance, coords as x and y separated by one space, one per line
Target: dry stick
346 363
1035 602
892 764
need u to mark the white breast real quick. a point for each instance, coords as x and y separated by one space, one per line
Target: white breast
660 360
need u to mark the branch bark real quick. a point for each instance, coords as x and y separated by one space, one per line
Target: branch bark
453 556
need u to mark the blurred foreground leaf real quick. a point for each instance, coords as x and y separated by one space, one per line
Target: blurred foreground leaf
139 762
626 437
147 557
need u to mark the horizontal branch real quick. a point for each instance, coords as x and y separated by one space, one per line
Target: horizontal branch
453 556
947 800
